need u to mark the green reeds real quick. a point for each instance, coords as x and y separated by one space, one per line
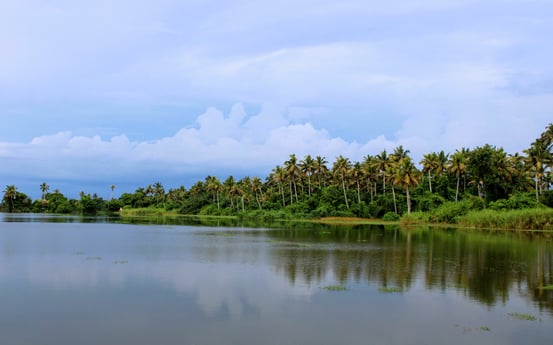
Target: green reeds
525 219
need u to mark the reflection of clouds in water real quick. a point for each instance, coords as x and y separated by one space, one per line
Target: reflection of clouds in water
216 288
231 286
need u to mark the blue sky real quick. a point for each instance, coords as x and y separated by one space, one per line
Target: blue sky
134 92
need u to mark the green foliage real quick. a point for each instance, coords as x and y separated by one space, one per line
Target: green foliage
516 201
522 316
528 219
449 212
428 201
391 216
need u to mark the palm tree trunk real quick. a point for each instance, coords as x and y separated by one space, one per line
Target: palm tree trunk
457 189
218 204
291 194
358 193
282 193
394 197
537 194
408 200
430 182
344 190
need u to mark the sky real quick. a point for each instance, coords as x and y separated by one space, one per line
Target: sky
131 92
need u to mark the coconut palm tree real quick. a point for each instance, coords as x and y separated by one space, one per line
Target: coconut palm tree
537 160
257 187
307 167
428 163
406 175
382 164
112 187
278 177
292 173
357 174
457 166
371 174
44 188
341 169
10 193
320 169
214 186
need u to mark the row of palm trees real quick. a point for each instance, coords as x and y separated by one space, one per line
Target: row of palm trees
485 171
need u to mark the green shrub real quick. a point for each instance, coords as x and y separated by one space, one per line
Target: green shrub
391 216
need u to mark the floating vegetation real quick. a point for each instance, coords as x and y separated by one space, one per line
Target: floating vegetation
521 316
94 258
467 329
78 253
485 328
390 289
335 288
120 262
546 287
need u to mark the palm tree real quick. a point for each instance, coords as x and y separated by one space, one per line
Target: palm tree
406 175
428 163
537 159
370 174
10 193
320 169
214 185
292 173
357 174
457 166
257 187
382 165
228 187
44 188
307 167
112 187
341 168
159 192
278 177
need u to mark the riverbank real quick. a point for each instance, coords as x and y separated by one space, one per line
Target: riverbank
525 219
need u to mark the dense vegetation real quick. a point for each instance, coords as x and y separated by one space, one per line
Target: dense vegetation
446 188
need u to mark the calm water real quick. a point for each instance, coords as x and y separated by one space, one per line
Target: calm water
77 281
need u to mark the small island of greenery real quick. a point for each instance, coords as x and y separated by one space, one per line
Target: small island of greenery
483 187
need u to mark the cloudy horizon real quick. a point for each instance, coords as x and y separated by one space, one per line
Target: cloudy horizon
130 93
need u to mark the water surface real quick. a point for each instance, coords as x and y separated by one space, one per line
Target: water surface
68 280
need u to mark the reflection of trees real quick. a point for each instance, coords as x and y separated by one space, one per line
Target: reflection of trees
486 268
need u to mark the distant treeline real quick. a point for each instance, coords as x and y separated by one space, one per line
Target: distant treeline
386 185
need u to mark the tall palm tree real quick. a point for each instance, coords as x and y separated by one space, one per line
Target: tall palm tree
112 187
458 167
371 174
44 188
257 187
307 167
382 164
159 192
357 174
292 173
278 177
537 159
214 186
10 193
428 163
320 169
341 168
406 175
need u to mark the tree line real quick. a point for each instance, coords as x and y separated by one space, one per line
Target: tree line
387 184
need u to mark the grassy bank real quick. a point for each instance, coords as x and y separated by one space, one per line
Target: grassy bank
524 219
457 215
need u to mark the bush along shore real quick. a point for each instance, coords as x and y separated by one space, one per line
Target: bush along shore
482 187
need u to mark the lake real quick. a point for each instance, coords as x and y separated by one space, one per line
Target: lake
71 280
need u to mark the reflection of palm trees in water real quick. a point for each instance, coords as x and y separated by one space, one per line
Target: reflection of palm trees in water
484 267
